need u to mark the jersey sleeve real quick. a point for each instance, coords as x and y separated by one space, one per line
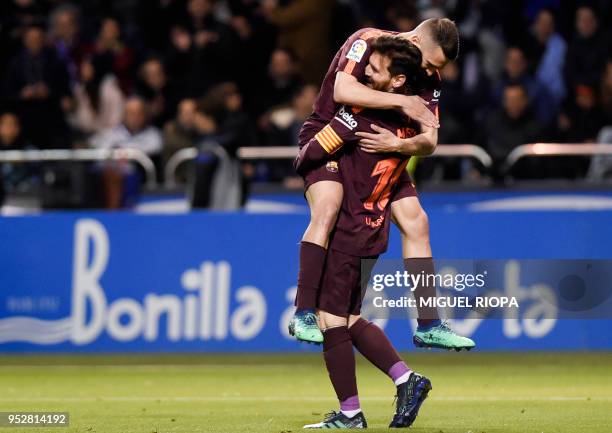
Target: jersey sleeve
432 93
355 54
337 134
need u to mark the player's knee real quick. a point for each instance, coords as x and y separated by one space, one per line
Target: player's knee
416 227
421 225
324 217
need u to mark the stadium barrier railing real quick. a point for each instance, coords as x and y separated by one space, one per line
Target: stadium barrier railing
554 149
290 152
138 156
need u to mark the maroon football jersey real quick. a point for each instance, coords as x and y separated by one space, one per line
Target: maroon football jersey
368 179
352 58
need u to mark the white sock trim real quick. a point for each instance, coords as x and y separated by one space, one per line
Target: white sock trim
403 378
351 413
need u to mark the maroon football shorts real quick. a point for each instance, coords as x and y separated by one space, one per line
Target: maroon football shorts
329 170
344 283
404 188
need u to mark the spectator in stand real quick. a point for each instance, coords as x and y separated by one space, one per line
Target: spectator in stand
98 99
37 84
580 119
403 16
516 71
549 55
155 88
283 128
510 127
120 179
233 129
65 35
121 58
282 82
135 131
457 115
203 49
256 39
11 138
457 110
587 52
284 122
217 159
304 27
606 93
186 130
155 17
15 17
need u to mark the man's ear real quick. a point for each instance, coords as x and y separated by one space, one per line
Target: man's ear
398 81
415 39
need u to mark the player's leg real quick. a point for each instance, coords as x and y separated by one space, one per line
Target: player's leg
412 388
340 363
413 224
335 302
324 199
412 221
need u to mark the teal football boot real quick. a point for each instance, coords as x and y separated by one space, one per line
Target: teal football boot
304 327
439 335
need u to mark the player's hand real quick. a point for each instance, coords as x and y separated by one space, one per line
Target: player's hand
384 141
415 107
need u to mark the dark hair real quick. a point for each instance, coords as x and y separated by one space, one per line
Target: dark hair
444 32
406 59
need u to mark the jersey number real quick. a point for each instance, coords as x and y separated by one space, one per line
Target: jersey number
387 176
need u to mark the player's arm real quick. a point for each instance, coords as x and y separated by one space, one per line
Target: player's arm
384 141
348 90
320 148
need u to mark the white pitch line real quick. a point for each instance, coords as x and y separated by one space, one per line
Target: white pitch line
279 398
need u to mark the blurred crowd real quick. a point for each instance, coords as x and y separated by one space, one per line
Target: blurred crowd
163 75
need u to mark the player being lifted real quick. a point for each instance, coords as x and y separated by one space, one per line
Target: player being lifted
438 42
371 181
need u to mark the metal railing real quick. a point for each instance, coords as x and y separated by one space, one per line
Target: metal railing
290 152
554 149
135 155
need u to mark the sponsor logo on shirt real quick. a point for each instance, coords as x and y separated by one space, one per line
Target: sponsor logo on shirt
346 118
375 223
332 166
357 50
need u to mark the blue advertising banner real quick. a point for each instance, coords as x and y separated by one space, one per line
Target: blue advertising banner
211 282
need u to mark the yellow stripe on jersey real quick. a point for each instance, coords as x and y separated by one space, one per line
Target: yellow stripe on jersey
334 135
329 139
324 142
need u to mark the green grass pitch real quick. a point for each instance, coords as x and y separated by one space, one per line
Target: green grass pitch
472 392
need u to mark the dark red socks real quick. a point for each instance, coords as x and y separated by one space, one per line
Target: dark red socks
312 260
340 362
423 266
374 345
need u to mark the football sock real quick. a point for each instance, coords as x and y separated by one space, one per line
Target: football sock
428 325
423 266
340 362
374 345
350 407
399 373
312 260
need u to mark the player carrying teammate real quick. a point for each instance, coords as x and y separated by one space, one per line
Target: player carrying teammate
437 39
370 181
